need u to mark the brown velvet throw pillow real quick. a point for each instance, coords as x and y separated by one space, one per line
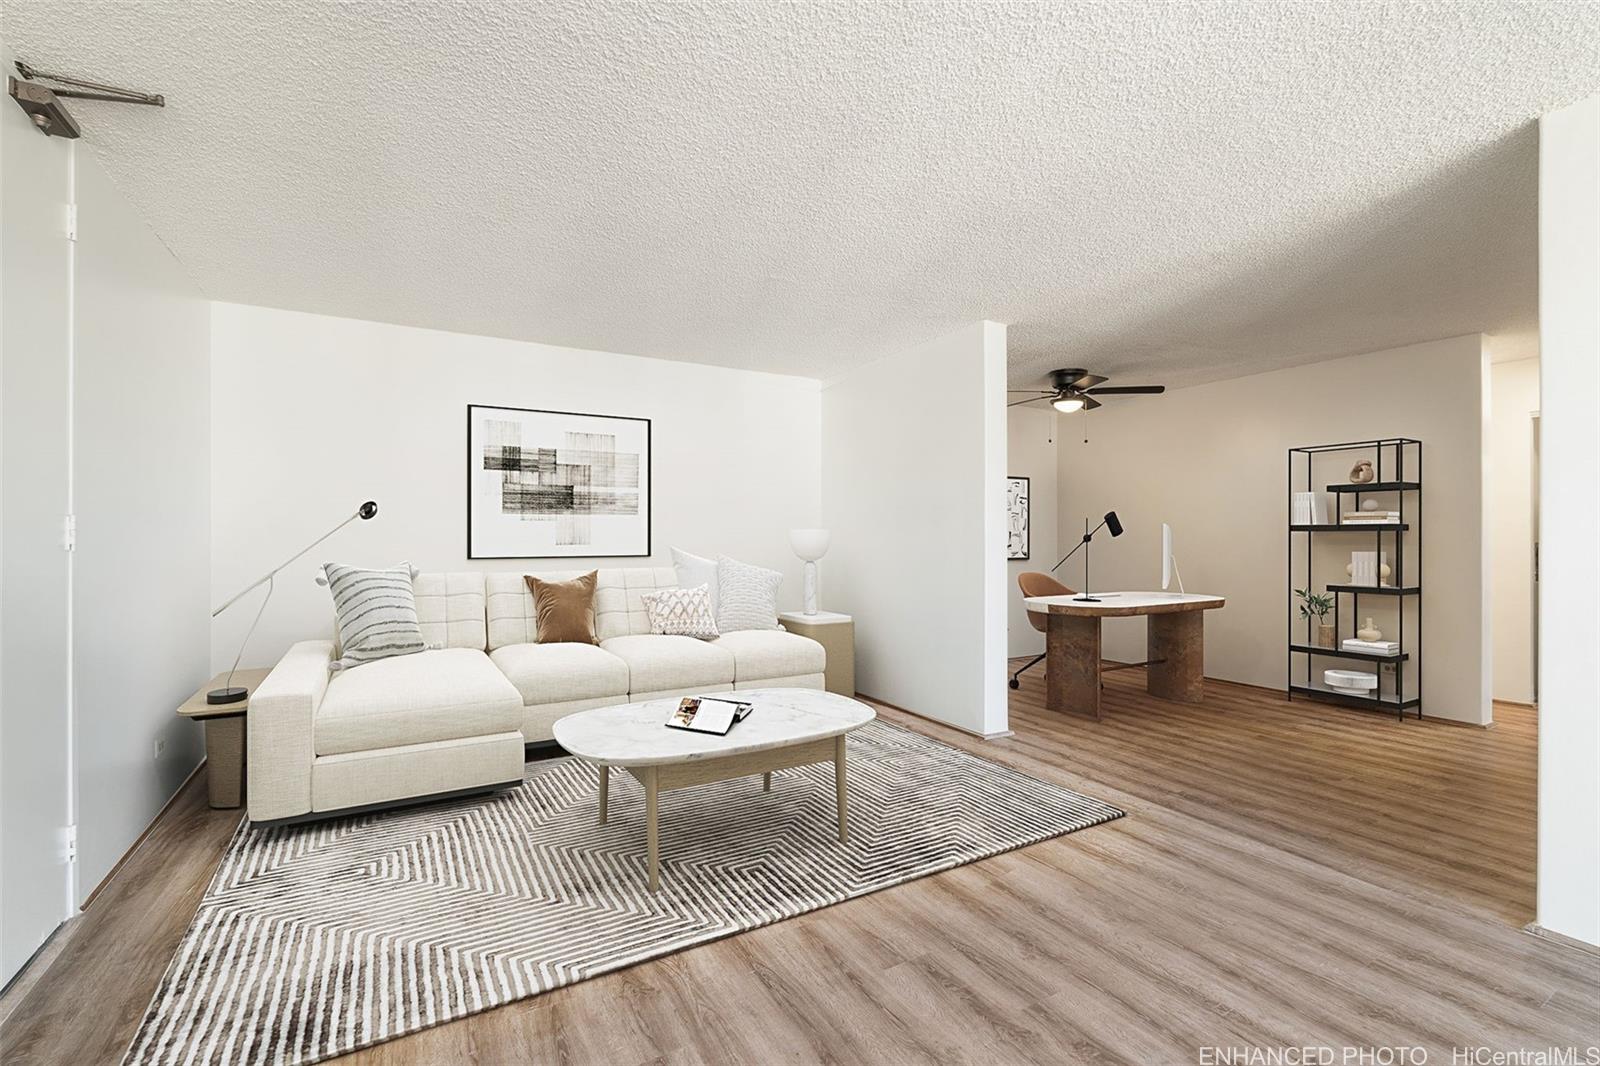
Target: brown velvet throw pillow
564 610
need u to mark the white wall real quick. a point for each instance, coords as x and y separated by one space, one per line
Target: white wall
1569 626
314 414
35 887
1031 453
1515 392
141 583
913 469
1211 461
104 415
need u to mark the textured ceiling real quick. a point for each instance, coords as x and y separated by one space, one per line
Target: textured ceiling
1176 191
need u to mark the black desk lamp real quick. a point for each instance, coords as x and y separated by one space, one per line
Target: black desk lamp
229 692
1110 522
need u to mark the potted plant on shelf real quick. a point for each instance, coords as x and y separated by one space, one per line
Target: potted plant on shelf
1317 605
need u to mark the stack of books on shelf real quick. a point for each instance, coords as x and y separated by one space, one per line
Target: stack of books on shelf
1356 517
1309 509
1372 647
1365 567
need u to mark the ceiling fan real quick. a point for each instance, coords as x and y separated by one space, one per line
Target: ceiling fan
1075 389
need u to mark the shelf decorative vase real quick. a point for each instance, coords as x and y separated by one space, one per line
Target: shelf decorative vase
1325 635
1369 632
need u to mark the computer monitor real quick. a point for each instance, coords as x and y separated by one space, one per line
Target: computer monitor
1169 563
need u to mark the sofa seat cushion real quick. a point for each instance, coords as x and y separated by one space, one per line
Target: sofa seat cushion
559 673
764 653
657 663
443 694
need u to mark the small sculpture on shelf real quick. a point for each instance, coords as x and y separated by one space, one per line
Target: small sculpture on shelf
1362 472
1369 632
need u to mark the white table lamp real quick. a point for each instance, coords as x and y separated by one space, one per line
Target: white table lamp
810 545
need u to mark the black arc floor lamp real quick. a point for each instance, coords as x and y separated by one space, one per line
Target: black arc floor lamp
1110 522
229 692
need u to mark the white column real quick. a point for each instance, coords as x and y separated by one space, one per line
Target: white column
1569 618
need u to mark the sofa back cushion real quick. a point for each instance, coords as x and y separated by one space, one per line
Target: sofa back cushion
450 609
618 602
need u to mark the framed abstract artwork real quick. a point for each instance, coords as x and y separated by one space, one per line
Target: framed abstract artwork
1016 518
556 484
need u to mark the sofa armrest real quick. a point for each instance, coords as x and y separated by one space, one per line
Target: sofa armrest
283 710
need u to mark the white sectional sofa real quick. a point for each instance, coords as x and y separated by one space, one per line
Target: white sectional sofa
455 718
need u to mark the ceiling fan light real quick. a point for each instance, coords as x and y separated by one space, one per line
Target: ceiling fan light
1067 404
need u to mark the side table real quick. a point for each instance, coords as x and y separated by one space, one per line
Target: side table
837 635
225 735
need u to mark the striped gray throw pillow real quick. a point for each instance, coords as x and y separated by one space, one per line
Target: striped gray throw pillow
375 612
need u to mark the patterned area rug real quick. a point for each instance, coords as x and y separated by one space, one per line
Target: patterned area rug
319 939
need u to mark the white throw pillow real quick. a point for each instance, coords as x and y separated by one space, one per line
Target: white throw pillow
747 596
375 613
692 570
681 613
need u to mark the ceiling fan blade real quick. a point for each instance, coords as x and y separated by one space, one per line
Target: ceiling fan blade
1031 399
1074 378
1090 403
1030 392
1129 390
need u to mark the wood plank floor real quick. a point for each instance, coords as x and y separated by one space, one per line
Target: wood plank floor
1288 874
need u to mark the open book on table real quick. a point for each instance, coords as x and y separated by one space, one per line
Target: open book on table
708 714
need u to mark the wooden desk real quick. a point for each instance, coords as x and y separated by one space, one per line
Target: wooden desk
225 736
1176 642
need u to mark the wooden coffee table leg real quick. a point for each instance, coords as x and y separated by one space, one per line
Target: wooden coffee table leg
652 832
766 782
839 789
605 791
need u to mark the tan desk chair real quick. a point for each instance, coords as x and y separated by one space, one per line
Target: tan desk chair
1034 583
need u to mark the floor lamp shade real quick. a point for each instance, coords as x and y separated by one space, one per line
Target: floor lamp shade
810 545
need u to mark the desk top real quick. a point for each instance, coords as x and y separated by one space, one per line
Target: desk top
1116 604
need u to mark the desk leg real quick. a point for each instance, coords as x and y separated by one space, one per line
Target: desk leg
1180 639
1072 666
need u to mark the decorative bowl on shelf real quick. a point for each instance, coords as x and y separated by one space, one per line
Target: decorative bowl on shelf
1353 680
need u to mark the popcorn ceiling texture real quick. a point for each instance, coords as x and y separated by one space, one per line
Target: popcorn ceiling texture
1177 191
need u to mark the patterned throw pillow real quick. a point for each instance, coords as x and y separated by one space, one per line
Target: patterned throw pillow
747 596
681 613
375 613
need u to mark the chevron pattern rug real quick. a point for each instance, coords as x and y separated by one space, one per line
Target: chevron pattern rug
319 939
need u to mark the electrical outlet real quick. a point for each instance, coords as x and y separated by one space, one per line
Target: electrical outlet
161 747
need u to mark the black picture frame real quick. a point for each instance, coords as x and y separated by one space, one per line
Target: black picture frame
1027 518
647 465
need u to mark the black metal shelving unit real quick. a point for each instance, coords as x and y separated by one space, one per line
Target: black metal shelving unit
1397 463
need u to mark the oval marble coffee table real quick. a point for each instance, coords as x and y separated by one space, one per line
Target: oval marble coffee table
789 727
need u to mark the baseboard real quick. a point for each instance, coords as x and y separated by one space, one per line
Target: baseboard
1563 939
140 839
935 721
